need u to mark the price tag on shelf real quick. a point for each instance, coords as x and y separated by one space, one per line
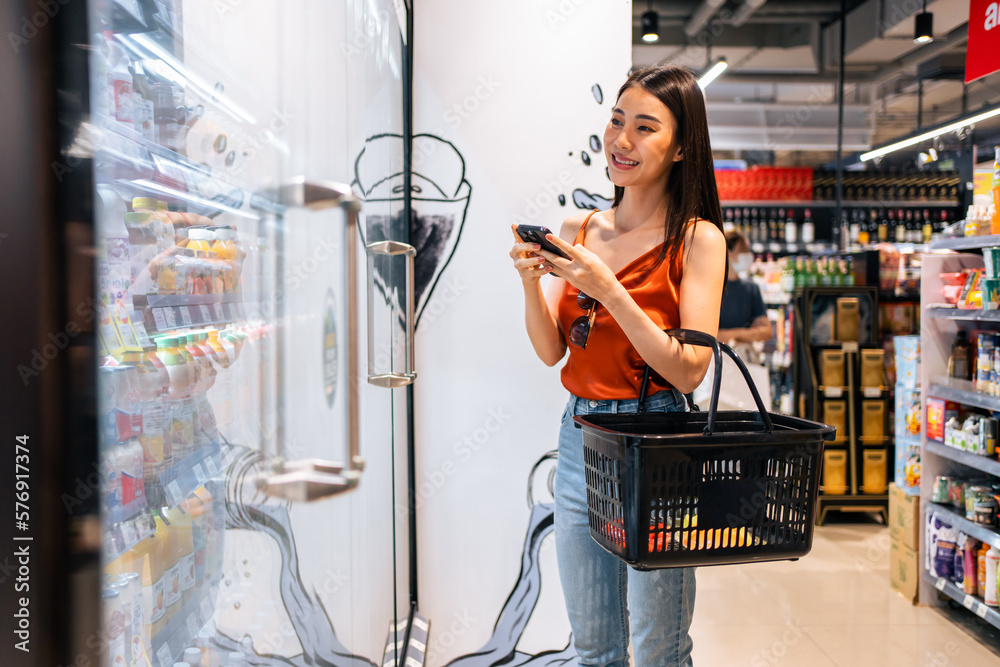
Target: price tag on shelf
199 473
849 347
231 310
213 469
872 392
192 625
185 314
940 583
171 318
969 602
206 609
216 312
981 611
206 314
129 534
140 329
160 319
174 489
163 655
833 392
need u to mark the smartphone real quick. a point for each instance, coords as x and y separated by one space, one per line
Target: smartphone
533 234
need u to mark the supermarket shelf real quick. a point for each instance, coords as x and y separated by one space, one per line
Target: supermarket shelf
982 463
960 523
970 602
945 312
181 479
824 203
965 242
125 512
962 391
191 300
180 631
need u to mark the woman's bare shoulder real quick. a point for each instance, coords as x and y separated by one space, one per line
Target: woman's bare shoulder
572 224
703 233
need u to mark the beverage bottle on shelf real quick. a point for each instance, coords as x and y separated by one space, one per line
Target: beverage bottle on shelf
914 230
774 233
992 562
788 275
791 228
142 249
113 627
926 229
943 221
197 383
823 271
214 532
140 637
154 577
184 543
125 603
887 227
848 279
181 401
747 229
165 115
855 228
959 363
995 222
196 510
727 225
171 564
867 227
206 412
120 87
155 439
755 227
808 228
812 273
800 272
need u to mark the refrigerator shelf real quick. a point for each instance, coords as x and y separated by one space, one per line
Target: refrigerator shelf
181 631
126 512
158 319
181 479
987 534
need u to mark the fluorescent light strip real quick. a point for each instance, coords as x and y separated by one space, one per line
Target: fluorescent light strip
713 73
929 135
156 187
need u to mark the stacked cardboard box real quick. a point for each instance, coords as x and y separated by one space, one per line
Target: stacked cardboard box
904 546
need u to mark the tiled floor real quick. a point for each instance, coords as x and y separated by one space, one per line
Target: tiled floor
831 608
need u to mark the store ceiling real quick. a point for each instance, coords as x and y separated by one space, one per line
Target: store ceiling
783 66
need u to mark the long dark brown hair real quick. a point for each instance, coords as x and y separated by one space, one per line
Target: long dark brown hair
690 190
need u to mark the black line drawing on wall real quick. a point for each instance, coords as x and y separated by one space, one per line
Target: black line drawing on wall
582 198
501 649
440 200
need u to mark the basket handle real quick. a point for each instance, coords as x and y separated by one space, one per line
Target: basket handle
691 337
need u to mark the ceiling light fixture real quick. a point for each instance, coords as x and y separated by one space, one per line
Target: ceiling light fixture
930 134
713 73
650 25
923 27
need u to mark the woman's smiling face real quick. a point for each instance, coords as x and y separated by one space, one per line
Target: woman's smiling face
640 141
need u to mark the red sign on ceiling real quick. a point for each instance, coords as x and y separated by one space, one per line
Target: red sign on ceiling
982 56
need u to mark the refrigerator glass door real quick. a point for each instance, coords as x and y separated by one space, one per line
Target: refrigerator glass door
253 486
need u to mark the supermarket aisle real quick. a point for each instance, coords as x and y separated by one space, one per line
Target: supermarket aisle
832 608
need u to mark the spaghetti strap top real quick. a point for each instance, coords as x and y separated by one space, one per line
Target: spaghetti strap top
610 368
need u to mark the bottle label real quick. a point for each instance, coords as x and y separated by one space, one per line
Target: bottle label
172 587
187 571
157 605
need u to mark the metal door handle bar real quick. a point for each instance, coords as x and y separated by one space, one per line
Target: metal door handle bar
313 479
388 249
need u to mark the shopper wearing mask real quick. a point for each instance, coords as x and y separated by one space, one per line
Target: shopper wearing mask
656 260
743 318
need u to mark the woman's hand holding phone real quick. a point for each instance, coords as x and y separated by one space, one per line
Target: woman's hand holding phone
530 265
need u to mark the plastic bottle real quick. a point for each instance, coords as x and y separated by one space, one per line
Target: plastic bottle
162 226
971 574
181 401
114 270
113 626
237 659
187 348
192 656
155 440
992 561
198 239
120 87
213 532
196 510
184 543
142 249
171 565
149 557
221 395
140 629
125 607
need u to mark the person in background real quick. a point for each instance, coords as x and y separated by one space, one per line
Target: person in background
742 318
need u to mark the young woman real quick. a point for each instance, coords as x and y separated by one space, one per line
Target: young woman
656 260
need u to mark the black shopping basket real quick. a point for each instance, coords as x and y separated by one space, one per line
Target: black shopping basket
679 489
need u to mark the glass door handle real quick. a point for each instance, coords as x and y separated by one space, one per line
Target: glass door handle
390 248
314 479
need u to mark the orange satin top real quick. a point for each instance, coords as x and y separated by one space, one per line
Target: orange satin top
610 367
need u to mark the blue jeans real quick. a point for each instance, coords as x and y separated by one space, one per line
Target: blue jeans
605 597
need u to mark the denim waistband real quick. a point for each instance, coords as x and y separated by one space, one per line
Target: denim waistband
658 401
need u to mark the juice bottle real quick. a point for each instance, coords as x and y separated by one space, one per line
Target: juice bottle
995 222
196 510
126 607
155 438
180 375
142 240
154 576
171 564
168 226
198 239
113 628
196 357
183 542
221 395
212 531
162 226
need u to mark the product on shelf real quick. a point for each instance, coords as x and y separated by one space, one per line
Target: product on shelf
959 361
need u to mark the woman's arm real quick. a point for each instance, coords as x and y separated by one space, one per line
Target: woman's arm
683 366
541 304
